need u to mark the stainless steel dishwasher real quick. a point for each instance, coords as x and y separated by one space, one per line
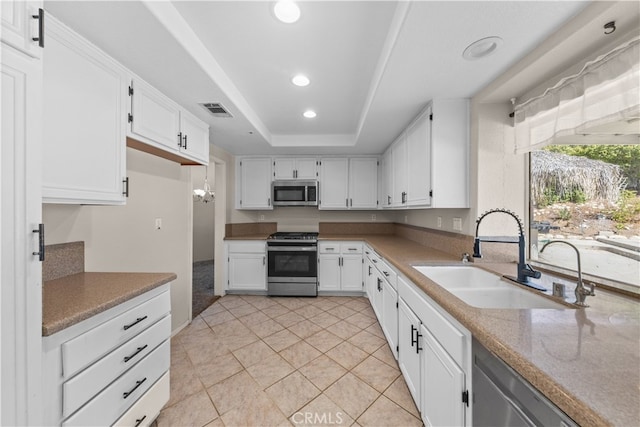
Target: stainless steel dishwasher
501 397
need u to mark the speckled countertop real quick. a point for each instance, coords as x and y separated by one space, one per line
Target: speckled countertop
74 298
587 361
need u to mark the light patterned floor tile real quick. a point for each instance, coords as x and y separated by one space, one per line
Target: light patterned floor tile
325 319
305 329
322 371
270 370
253 353
360 320
352 394
367 342
299 354
321 412
344 330
281 340
347 355
400 394
341 311
292 393
275 310
384 413
289 319
197 410
324 340
237 391
218 369
377 375
261 411
384 354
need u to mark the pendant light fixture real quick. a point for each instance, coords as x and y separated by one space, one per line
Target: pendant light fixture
204 194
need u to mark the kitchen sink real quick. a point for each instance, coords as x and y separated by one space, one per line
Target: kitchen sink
482 289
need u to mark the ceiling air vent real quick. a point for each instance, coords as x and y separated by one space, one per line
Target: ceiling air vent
216 109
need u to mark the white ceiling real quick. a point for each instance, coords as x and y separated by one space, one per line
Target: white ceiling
373 64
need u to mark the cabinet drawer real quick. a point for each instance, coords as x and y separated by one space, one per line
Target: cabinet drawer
351 248
112 402
96 377
145 410
247 247
388 272
329 248
90 346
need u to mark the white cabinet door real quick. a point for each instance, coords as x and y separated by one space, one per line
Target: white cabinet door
306 168
443 383
399 149
255 184
329 276
419 161
155 118
409 343
20 27
351 275
334 181
85 95
294 168
21 212
363 183
284 168
195 138
390 316
378 289
387 178
247 271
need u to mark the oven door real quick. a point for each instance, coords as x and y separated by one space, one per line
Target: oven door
292 270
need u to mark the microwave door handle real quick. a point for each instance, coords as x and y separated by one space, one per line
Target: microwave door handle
306 193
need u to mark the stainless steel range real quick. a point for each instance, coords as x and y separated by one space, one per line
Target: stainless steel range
293 264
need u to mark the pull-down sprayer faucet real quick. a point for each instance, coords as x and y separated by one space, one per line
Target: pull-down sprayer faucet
525 271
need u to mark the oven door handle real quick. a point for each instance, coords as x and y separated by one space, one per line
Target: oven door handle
292 248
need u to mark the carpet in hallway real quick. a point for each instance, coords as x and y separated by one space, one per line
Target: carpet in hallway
202 296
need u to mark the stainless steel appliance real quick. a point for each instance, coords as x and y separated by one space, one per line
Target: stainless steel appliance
294 193
501 397
292 264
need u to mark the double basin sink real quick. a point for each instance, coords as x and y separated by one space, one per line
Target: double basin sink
482 289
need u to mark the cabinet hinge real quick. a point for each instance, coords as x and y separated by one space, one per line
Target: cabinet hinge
378 163
397 304
240 202
430 193
130 91
228 259
397 348
130 117
125 187
465 397
431 116
240 162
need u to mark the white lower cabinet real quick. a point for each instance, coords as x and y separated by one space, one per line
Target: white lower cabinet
246 266
390 316
146 409
409 349
340 267
96 370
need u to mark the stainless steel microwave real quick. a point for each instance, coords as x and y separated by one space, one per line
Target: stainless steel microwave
294 193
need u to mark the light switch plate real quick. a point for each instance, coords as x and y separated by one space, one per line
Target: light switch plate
457 224
439 222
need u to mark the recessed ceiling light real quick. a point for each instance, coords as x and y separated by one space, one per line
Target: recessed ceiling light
481 48
286 11
300 80
309 114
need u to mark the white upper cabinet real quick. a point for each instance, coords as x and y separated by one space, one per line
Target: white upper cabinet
387 178
295 168
253 183
334 183
429 160
23 26
363 183
157 121
348 183
85 104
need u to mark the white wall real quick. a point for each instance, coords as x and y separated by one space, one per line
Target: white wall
203 215
124 238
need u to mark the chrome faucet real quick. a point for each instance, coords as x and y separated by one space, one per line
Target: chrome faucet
525 271
582 292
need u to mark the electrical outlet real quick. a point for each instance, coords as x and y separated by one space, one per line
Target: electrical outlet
261 217
406 219
457 224
158 223
373 217
439 222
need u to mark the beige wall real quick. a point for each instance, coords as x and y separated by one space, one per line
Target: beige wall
203 216
124 238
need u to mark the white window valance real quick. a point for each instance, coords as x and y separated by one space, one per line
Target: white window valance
599 105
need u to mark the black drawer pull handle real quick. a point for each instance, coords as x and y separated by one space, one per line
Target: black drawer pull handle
386 273
413 341
138 350
138 320
138 422
138 383
40 18
418 348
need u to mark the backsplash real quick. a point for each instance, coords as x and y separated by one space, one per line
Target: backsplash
62 259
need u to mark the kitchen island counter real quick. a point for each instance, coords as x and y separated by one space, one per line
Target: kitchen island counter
71 299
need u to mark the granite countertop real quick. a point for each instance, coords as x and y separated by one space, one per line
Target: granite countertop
71 299
248 237
584 360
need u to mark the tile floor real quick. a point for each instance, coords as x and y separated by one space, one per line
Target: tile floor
261 361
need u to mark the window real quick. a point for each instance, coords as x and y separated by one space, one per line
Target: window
588 195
